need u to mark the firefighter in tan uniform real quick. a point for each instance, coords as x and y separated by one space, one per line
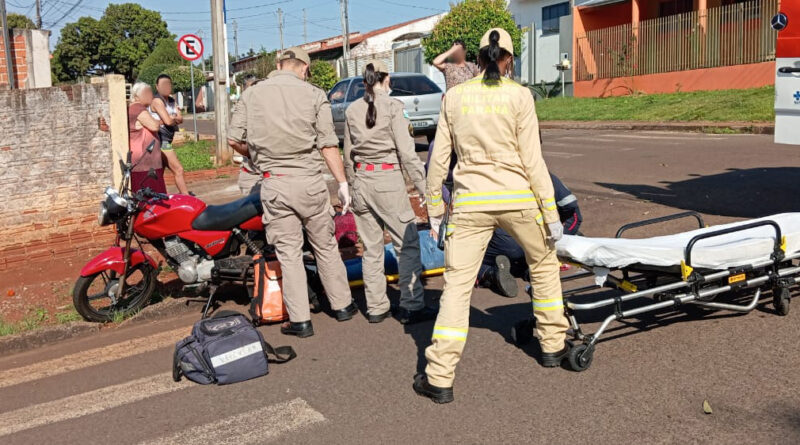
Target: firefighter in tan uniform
500 180
284 118
377 145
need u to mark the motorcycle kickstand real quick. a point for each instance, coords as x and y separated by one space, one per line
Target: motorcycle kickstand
212 291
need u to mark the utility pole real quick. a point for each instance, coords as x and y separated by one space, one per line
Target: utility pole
305 28
345 36
235 40
38 14
221 109
7 45
280 26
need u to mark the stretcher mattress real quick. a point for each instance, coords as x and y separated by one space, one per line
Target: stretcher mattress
731 250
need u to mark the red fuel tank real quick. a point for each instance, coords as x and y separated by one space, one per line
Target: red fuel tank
168 217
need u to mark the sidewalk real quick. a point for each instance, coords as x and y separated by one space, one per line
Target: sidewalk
698 127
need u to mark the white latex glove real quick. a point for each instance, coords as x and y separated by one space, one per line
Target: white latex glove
556 230
344 197
436 223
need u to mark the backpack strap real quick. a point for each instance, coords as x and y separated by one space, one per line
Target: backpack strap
281 354
256 298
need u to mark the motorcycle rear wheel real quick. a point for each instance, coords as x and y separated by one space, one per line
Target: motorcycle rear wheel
91 293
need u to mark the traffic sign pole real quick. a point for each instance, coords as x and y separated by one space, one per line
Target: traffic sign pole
194 107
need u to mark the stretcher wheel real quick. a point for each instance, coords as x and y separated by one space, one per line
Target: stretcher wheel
781 299
580 357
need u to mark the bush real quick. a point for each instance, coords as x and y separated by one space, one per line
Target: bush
19 21
468 21
182 79
195 155
323 74
149 74
165 53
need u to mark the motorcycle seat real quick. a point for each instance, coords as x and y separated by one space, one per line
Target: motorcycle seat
227 216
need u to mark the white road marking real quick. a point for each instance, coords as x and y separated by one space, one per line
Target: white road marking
254 427
88 403
91 357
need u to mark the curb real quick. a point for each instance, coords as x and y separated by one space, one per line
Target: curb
27 341
689 127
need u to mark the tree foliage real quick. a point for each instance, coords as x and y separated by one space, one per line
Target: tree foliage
118 42
165 53
182 79
150 73
468 21
19 21
323 74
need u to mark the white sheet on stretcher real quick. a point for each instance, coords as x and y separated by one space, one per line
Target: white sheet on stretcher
722 252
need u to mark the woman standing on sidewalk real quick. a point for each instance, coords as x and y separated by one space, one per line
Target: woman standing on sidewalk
143 130
377 144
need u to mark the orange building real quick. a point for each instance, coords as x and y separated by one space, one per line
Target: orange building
663 46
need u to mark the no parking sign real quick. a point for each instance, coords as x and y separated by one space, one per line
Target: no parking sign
190 47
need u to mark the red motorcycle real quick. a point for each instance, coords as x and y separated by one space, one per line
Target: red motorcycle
205 245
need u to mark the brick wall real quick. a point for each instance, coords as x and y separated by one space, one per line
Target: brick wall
19 59
55 158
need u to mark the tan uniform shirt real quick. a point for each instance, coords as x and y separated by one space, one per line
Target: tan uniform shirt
495 133
389 141
284 119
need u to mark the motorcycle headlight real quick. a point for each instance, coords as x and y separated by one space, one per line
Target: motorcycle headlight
116 205
102 215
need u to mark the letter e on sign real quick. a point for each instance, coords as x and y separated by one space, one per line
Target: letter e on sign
190 47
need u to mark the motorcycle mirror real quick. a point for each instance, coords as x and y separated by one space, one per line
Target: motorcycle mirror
152 174
151 147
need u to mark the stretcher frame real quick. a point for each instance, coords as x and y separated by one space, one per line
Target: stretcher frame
686 287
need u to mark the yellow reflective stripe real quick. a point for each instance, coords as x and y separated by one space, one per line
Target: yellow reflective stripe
507 192
550 304
444 332
552 207
549 200
435 200
494 201
549 204
539 219
450 229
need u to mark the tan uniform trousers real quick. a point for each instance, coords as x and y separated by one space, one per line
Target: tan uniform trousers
464 250
248 182
292 203
380 201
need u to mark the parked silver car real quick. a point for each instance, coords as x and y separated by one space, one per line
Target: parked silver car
421 96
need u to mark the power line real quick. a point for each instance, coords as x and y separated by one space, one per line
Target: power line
406 5
78 3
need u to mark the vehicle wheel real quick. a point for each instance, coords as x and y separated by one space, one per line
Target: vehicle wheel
580 357
781 299
94 296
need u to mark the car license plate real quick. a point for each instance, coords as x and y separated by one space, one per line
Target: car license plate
421 124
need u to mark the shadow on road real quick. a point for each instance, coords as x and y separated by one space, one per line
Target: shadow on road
747 193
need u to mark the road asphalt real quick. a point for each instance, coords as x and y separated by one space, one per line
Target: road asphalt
351 382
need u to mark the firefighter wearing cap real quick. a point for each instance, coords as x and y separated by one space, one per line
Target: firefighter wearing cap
500 180
377 145
285 118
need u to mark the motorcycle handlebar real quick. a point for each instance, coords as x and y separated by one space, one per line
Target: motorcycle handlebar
148 193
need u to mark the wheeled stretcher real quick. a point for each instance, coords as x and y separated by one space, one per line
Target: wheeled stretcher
690 270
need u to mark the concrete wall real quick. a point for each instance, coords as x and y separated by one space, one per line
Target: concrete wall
30 53
56 152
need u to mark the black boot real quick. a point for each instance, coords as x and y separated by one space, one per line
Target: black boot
302 329
404 316
346 313
425 389
377 318
499 279
554 359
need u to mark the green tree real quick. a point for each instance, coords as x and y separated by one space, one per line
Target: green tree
118 42
165 53
468 21
19 21
150 73
75 55
182 79
323 74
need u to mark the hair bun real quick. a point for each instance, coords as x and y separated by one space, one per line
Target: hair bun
494 37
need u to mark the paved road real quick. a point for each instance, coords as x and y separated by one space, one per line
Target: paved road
352 382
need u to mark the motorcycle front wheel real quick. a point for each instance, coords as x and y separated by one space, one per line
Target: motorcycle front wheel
95 296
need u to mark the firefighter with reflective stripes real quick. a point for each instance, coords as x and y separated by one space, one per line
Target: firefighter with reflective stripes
504 261
500 180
